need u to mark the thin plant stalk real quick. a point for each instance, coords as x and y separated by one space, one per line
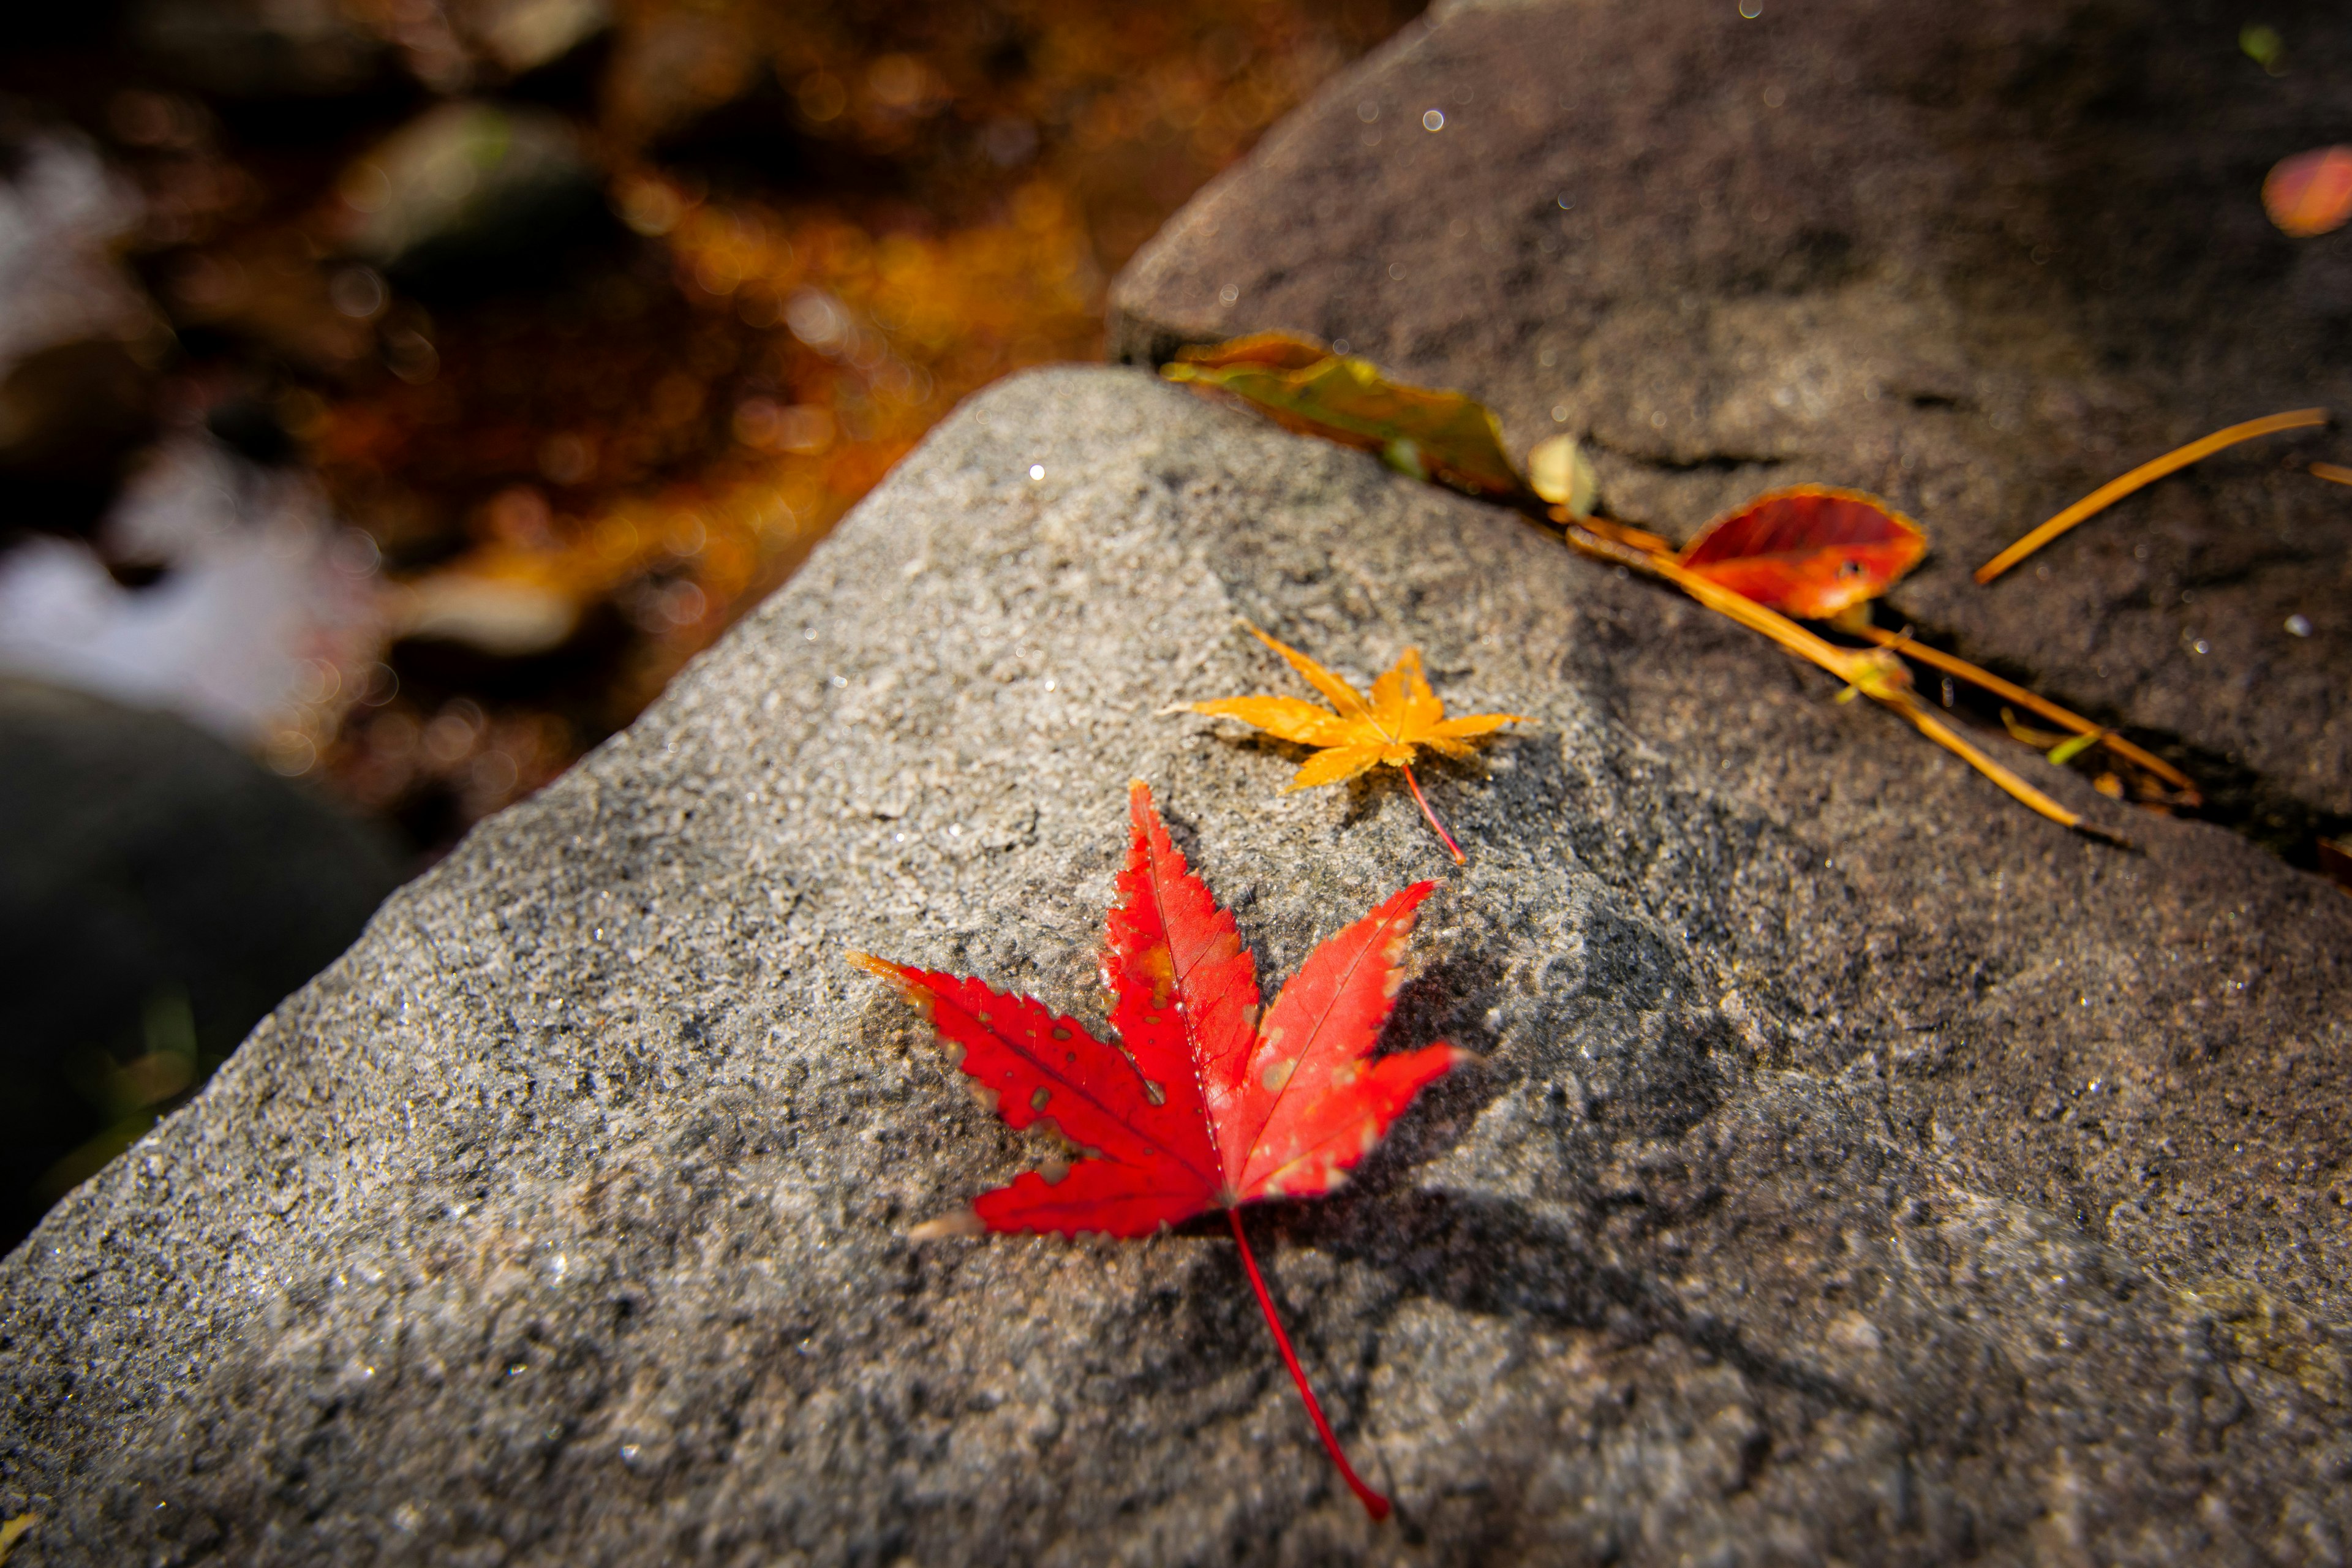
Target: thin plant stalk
1451 848
1374 1503
1962 669
2147 473
2334 472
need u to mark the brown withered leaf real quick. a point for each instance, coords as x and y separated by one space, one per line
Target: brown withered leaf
1304 386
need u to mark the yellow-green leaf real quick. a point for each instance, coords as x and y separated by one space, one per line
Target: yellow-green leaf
1302 385
2065 752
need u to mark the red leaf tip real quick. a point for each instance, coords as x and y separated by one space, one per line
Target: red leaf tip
898 974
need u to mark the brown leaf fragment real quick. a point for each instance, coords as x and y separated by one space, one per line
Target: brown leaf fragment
2335 862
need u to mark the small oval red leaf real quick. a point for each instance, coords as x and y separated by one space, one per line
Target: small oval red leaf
1808 551
2311 193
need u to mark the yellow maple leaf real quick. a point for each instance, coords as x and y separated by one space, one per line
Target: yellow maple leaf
1353 736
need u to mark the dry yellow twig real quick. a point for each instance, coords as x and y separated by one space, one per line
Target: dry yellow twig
2334 472
1962 669
2147 473
1875 672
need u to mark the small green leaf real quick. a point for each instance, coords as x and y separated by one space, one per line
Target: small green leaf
2065 752
1403 455
2264 45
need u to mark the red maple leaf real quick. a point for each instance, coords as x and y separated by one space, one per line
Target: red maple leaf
1202 1105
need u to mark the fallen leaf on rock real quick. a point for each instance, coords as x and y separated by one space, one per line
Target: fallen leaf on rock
1808 551
14 1530
1303 386
2026 735
1202 1104
1353 736
1559 472
2311 193
2073 746
2147 473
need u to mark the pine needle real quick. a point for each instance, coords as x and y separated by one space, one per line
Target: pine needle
1985 679
2147 473
1875 672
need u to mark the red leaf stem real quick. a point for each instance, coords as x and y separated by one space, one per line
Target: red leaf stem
1374 1503
1452 849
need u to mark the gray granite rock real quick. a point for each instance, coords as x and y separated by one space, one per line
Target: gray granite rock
1862 1169
1978 259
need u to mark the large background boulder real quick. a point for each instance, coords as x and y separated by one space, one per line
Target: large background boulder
1862 1167
1978 258
158 894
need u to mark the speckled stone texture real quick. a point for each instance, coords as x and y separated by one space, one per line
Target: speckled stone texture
1862 1167
1979 259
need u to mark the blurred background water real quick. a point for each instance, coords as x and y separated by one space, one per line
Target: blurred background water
395 394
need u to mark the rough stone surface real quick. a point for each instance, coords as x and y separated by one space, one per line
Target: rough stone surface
1979 259
145 865
1862 1168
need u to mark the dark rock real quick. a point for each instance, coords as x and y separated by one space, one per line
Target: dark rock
1978 259
70 416
80 342
471 197
257 49
159 893
248 425
1862 1168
